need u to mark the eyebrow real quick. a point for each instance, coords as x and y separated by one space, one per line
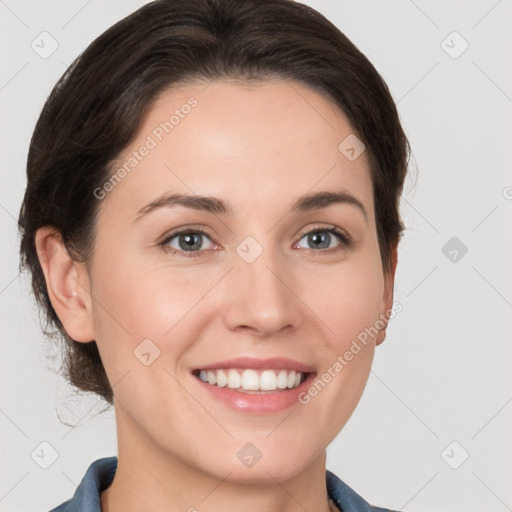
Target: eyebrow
215 205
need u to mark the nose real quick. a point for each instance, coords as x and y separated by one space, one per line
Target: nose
261 295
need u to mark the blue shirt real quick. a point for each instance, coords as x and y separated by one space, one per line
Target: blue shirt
101 472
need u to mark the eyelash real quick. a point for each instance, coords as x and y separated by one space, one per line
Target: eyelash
342 235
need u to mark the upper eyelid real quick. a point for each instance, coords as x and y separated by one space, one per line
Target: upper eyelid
180 231
338 231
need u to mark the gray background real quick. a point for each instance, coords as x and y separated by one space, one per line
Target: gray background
443 374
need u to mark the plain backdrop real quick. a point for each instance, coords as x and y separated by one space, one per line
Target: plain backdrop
432 431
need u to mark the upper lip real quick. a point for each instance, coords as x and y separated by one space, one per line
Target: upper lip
275 363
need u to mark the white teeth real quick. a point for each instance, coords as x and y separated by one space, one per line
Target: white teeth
268 380
234 379
282 380
250 380
222 380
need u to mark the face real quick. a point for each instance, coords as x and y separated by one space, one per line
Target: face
260 278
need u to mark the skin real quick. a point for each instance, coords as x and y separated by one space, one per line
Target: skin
258 147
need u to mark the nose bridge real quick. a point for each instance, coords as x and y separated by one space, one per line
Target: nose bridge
260 287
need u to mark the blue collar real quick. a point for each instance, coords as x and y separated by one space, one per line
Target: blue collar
100 475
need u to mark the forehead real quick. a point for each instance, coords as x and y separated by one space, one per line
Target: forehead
254 145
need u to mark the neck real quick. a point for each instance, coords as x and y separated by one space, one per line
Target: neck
149 478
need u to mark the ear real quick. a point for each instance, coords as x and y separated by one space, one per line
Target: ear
387 298
67 283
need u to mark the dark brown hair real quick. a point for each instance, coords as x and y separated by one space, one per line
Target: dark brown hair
97 106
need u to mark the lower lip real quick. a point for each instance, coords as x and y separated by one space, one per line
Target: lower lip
257 403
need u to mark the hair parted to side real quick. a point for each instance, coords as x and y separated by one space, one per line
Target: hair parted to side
97 106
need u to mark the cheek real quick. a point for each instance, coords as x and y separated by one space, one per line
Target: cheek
347 300
349 304
135 301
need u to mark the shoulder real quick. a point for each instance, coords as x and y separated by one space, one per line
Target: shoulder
98 477
346 499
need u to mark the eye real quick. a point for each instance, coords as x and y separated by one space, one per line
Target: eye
321 238
187 240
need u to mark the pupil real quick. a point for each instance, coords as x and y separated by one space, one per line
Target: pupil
316 236
190 241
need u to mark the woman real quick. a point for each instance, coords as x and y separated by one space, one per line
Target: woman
211 221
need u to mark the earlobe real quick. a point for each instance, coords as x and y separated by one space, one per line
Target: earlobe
67 284
388 294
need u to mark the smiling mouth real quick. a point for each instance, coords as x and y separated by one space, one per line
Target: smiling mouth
251 380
